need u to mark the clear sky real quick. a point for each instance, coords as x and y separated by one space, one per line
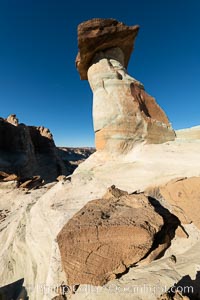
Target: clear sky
38 46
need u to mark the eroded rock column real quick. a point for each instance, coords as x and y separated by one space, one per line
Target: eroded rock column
123 113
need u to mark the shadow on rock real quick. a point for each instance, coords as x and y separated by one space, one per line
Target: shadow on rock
190 287
167 233
184 289
14 291
163 238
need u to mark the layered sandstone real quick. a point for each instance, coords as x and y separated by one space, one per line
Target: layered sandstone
123 113
107 236
28 150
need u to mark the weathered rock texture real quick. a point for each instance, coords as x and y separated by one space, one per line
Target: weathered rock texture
107 236
28 150
183 198
123 113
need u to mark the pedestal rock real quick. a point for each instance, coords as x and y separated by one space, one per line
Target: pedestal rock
123 113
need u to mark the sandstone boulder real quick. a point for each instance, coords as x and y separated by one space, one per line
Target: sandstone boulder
182 198
107 236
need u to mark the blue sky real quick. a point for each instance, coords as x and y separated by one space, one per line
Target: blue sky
38 46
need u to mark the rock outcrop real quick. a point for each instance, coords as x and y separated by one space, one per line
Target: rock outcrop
123 113
182 197
12 119
107 236
28 151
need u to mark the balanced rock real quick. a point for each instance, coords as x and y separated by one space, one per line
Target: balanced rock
123 113
182 197
107 236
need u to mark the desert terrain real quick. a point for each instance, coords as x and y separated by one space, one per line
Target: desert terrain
121 222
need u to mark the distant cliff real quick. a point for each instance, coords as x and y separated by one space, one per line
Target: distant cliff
74 156
29 150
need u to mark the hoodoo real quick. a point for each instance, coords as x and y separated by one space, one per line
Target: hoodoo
123 113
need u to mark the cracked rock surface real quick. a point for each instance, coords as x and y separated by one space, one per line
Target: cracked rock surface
107 236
